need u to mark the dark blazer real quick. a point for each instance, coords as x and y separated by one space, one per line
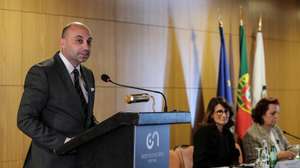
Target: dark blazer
51 110
212 148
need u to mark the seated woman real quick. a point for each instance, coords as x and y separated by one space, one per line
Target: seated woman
214 144
265 116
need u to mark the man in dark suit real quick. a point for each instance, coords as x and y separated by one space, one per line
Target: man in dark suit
58 100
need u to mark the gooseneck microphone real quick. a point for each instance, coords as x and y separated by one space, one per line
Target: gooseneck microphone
106 78
291 135
137 98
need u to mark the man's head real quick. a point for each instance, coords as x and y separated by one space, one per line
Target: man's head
75 43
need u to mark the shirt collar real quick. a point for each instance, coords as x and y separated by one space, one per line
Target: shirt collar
67 63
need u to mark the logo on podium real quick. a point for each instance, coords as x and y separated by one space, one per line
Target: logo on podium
151 146
152 138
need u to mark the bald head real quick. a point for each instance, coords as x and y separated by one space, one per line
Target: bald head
75 43
73 24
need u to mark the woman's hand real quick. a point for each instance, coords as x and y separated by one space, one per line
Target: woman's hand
285 155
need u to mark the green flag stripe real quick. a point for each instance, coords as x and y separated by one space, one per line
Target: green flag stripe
243 50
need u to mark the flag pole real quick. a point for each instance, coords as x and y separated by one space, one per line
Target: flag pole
241 16
220 23
220 18
260 24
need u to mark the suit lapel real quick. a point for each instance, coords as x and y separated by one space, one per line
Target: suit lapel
65 77
63 72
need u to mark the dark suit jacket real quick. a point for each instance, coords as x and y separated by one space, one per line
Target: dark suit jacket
212 148
51 110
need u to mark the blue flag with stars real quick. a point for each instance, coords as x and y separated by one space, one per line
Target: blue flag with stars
224 84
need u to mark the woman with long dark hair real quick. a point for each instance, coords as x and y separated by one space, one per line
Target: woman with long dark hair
214 144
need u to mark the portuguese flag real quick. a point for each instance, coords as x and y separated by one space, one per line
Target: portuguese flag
243 115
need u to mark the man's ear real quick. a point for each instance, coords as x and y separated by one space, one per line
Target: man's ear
62 43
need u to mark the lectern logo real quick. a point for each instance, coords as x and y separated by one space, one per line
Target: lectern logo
152 139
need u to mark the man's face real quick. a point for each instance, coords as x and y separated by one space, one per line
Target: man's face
76 44
271 116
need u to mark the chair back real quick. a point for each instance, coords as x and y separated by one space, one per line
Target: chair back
186 156
174 159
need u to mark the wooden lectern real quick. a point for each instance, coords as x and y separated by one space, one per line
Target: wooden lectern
127 140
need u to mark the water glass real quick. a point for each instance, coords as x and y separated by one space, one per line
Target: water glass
297 147
259 161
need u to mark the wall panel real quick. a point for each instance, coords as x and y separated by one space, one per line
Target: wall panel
105 105
10 50
11 144
33 40
100 9
11 164
11 4
153 12
103 57
34 5
141 55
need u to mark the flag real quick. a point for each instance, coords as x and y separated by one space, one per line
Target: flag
259 86
243 115
224 84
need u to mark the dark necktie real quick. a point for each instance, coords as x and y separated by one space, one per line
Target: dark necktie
78 88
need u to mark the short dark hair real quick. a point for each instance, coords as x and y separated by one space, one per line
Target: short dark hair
261 108
211 109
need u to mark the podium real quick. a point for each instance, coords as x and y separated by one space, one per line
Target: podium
127 140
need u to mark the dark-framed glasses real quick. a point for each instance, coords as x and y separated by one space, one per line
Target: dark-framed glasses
221 112
275 113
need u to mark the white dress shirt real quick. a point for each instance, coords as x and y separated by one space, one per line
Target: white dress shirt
70 69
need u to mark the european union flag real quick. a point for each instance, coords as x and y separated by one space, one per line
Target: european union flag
224 84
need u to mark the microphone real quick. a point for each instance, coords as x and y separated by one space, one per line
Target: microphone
137 98
106 78
264 91
291 135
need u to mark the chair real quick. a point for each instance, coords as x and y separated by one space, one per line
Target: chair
182 156
174 160
186 155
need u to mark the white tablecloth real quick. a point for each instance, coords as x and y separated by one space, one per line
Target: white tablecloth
288 164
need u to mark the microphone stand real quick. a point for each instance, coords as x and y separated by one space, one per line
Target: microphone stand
291 135
132 87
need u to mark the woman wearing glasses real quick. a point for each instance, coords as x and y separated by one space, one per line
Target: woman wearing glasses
214 144
264 128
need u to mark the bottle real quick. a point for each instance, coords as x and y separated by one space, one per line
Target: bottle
273 156
258 162
297 152
265 155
